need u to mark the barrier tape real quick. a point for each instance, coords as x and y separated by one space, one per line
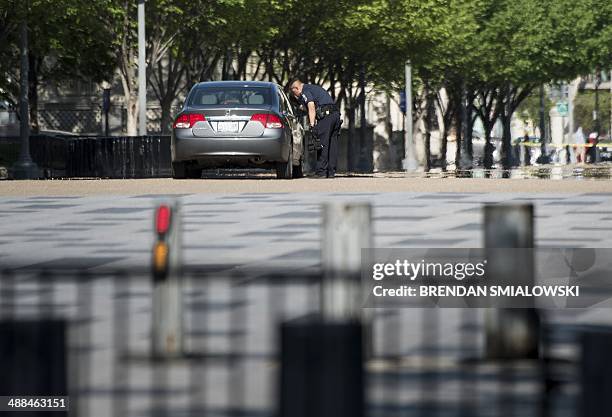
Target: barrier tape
563 145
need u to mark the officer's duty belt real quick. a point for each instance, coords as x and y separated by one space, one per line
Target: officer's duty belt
326 110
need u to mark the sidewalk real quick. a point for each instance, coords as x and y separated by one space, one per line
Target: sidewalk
269 184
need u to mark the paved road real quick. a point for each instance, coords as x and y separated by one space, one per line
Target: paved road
252 229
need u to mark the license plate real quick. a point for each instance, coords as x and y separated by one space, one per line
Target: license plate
227 127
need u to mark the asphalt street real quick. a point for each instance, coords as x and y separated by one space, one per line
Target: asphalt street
246 228
268 228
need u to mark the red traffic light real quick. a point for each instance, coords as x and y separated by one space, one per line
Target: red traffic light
163 217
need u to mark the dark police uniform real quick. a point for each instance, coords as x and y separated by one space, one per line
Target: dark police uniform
327 127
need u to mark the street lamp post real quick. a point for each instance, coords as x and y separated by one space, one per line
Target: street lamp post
409 162
142 71
24 168
106 102
596 124
543 157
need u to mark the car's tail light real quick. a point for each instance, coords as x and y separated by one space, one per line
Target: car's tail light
270 121
260 117
274 122
185 121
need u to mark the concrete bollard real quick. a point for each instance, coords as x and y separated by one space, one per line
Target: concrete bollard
167 332
510 333
346 230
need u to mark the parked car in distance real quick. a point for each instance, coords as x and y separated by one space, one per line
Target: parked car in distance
230 124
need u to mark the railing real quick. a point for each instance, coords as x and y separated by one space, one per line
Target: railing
236 354
284 342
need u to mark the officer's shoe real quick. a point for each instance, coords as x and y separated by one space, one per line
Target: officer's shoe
317 176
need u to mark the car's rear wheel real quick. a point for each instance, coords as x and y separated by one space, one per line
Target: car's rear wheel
284 170
194 172
179 170
182 170
298 170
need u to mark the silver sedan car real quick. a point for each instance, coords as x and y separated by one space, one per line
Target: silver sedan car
229 124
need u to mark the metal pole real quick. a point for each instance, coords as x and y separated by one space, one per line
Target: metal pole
142 71
24 168
596 124
543 158
167 331
570 109
409 162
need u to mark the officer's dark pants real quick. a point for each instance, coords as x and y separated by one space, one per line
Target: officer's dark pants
328 129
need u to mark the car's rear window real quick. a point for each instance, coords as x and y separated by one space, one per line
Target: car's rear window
231 95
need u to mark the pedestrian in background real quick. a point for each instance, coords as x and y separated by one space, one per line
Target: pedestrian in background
591 152
579 149
526 150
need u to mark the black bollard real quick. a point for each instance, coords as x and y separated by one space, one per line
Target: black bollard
596 375
33 361
321 369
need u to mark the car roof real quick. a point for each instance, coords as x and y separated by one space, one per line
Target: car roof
237 83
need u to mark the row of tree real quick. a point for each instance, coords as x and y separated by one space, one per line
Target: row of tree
487 56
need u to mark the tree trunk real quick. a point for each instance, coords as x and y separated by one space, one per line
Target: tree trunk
352 151
427 150
128 73
389 129
444 147
469 130
167 79
448 115
364 146
470 135
507 157
130 98
489 148
166 115
332 82
131 101
458 133
429 122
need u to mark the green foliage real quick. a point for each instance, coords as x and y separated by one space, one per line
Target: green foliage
67 40
529 109
584 104
481 45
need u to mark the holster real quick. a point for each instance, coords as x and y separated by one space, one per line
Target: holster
325 110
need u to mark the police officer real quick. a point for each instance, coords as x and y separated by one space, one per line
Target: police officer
324 121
